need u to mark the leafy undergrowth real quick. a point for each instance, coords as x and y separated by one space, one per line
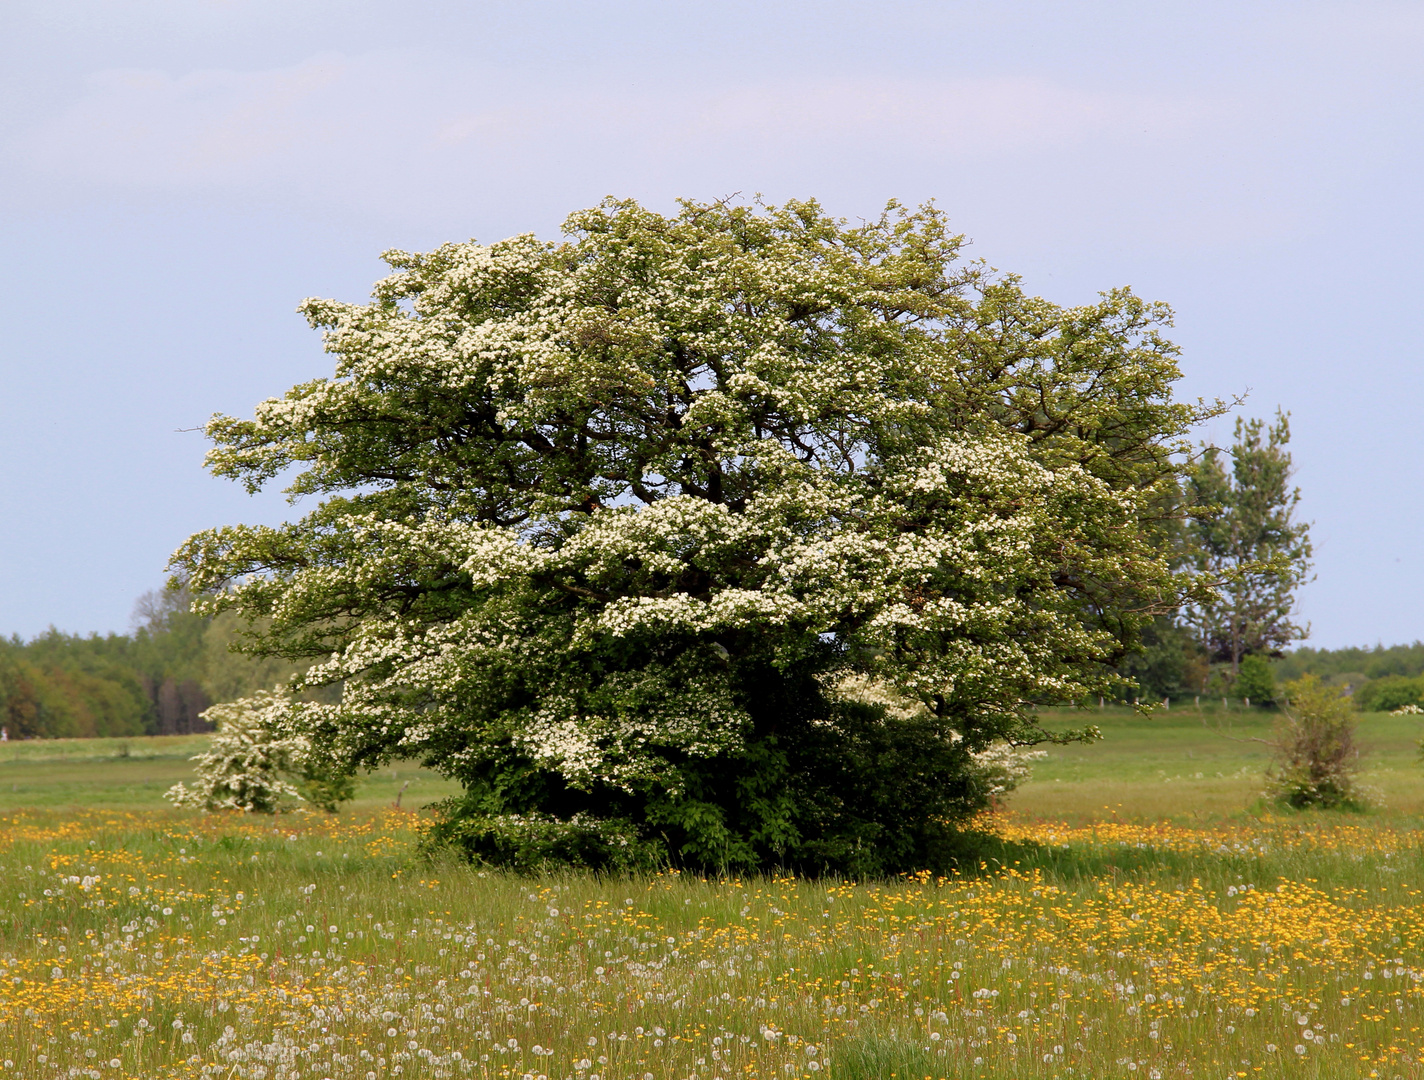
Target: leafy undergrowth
166 944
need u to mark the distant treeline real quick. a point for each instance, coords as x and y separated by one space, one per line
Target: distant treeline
159 679
154 681
1173 665
1380 678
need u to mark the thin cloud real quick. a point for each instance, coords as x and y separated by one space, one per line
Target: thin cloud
149 128
405 137
968 117
353 126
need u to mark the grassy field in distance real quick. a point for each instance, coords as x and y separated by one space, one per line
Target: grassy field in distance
134 773
1187 765
1181 764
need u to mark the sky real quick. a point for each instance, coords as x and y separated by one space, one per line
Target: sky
175 177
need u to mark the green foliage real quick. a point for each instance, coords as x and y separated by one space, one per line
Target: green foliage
324 784
19 695
1353 665
1256 681
867 796
537 842
606 525
228 673
1381 679
1244 535
1389 693
1170 663
57 687
1315 752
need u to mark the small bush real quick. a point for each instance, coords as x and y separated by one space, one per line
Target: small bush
249 766
322 785
1389 693
1315 750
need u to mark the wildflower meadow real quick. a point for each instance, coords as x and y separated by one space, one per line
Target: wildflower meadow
153 943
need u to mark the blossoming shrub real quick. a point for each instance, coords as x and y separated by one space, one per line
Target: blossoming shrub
1006 766
250 766
604 524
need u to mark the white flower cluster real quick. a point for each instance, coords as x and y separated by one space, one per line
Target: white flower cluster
1006 766
975 576
1001 765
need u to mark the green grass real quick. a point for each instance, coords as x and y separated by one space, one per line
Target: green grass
131 748
1171 924
133 773
1188 765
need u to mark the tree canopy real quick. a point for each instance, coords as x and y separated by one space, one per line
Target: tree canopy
1245 534
732 536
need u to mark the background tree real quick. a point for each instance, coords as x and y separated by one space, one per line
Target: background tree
20 709
157 680
228 673
167 648
1379 678
1169 663
616 531
1244 536
58 685
1256 682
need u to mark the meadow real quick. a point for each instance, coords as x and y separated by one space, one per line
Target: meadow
1134 911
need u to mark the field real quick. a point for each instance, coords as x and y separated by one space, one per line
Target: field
1141 915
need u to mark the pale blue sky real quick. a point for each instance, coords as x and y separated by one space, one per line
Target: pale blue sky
176 176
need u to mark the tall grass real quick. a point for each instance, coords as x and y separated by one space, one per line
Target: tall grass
157 944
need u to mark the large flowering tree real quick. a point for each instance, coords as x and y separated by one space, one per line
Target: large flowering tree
731 537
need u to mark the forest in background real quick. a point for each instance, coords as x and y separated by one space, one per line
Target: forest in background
157 680
1174 665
